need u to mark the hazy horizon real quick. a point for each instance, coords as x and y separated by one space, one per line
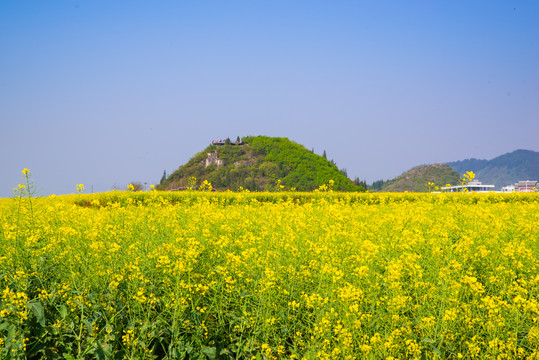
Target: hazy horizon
106 93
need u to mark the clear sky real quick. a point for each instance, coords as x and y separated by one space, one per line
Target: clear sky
108 92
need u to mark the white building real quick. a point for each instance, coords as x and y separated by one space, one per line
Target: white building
509 189
526 186
472 186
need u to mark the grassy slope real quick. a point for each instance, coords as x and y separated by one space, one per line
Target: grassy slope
258 165
417 178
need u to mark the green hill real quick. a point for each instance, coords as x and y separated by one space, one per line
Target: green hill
257 165
416 179
502 170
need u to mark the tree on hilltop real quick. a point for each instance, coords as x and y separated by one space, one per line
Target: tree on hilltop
164 177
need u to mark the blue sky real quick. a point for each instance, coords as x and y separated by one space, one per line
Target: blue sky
108 92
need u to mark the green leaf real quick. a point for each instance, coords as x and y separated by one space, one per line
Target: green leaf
100 351
4 325
37 309
210 352
63 311
88 326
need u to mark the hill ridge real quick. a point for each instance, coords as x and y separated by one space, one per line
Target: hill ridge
417 178
504 169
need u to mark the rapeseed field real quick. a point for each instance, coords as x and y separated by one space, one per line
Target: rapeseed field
199 275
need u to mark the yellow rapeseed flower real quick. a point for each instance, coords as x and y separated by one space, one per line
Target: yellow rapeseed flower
332 268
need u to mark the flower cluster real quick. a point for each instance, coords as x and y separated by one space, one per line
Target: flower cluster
323 275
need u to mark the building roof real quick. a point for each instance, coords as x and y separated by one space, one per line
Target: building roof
526 183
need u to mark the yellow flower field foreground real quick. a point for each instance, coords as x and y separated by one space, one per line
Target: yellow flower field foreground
270 275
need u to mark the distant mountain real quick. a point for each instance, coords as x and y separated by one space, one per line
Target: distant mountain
502 170
257 164
416 179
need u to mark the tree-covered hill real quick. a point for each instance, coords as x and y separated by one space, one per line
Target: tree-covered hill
259 164
503 170
416 179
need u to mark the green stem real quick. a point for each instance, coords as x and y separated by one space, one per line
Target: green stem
29 192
